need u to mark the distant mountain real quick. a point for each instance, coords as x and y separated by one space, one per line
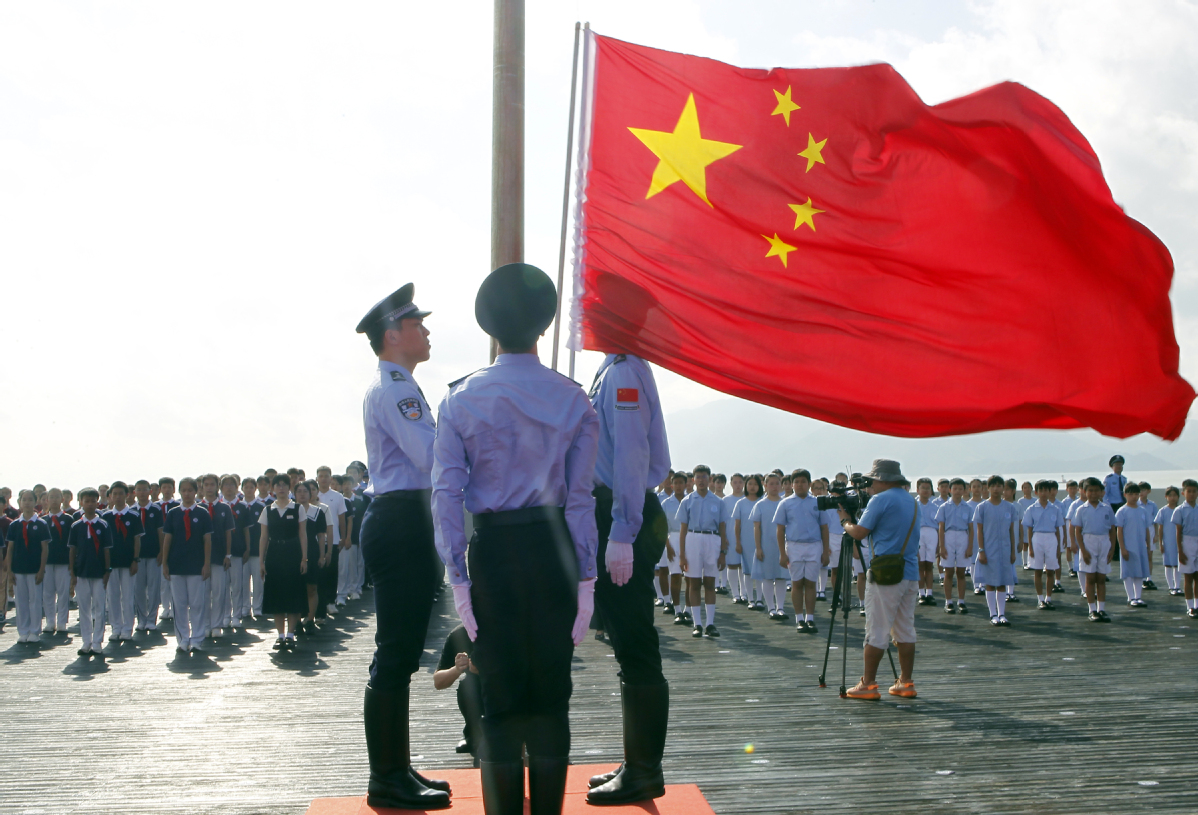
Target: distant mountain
736 435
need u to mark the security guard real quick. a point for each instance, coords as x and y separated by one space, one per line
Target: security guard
397 542
516 444
634 457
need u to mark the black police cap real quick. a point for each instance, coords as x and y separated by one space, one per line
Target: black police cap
396 306
515 304
1116 460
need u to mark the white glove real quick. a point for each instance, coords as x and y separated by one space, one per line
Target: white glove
461 601
586 607
618 561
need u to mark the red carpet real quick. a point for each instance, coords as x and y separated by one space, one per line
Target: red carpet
680 799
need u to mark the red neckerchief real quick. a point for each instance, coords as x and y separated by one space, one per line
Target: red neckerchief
120 522
91 535
143 515
57 525
186 522
25 531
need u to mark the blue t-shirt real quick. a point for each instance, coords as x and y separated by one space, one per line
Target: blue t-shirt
801 517
955 515
26 539
888 518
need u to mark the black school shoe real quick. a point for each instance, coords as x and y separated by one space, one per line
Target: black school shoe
1104 617
1057 586
1192 613
961 607
811 627
679 619
668 608
1149 585
698 631
949 608
659 602
1093 617
711 631
801 626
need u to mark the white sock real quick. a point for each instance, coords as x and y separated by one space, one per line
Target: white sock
1101 603
1001 599
992 602
711 613
1039 598
696 615
738 583
1171 577
1093 606
779 594
1129 586
821 581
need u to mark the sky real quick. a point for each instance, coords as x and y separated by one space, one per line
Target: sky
198 202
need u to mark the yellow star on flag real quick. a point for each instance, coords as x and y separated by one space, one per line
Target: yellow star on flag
785 105
684 154
778 248
812 153
805 214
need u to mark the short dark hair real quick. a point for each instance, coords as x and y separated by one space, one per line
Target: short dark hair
166 479
141 481
1010 482
920 481
1132 488
678 477
801 473
119 485
720 477
1091 481
996 480
957 481
1189 482
1043 484
741 476
943 481
1144 485
281 478
1071 483
89 492
702 468
1172 489
189 480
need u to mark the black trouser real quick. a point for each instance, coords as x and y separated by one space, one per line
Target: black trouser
470 704
397 543
524 588
628 610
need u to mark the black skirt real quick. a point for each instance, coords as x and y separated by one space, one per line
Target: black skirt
283 591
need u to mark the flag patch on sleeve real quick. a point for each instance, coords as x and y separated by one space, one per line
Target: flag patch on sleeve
627 399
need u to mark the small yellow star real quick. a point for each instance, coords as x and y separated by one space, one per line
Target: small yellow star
785 105
684 154
778 248
805 214
812 153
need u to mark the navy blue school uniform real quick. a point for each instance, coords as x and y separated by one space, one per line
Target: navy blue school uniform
125 526
238 508
187 528
150 517
26 538
247 521
59 527
89 542
223 522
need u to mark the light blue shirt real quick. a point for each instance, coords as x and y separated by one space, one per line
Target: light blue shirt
954 515
1094 520
888 516
743 512
927 514
1114 484
1134 522
399 432
1150 507
702 513
801 517
634 455
1186 516
730 502
1164 517
995 520
1043 518
511 436
670 507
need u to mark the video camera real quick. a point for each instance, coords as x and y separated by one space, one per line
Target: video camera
840 497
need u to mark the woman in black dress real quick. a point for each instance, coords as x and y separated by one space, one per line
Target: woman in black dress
316 529
284 550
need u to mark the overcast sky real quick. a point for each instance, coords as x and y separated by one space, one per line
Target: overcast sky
198 202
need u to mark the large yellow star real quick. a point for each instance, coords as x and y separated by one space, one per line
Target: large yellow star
812 153
805 214
684 154
785 105
778 248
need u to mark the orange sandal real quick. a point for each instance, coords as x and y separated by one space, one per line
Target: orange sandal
907 690
869 693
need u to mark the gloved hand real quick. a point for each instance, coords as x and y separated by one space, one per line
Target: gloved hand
461 601
618 561
586 607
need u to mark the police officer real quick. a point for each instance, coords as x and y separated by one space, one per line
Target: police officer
397 542
516 445
634 457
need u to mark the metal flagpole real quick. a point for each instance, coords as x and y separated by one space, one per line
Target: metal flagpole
507 138
583 122
561 254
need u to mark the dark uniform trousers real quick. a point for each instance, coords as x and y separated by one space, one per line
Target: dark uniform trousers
397 543
627 610
524 588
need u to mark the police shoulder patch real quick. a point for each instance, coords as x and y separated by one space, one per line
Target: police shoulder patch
457 382
620 358
411 408
396 376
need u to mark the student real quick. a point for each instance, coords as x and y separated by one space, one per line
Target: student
223 527
1023 502
733 583
1131 530
103 505
186 566
669 557
1166 539
67 498
337 516
742 531
124 557
719 482
831 517
28 547
1185 521
702 522
327 585
996 550
1149 506
929 541
455 663
235 576
787 486
1114 483
284 548
249 509
316 526
802 538
56 586
954 521
1017 528
1069 503
167 502
1094 535
1044 524
944 491
147 584
768 572
90 543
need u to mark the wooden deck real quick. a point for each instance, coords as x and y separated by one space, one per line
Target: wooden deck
1052 715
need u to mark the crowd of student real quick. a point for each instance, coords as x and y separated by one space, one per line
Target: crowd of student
223 553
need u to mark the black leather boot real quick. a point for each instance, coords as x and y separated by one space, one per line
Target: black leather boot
391 781
431 783
603 778
503 787
646 710
546 785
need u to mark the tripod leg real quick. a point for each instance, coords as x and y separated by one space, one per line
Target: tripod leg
846 581
838 598
892 668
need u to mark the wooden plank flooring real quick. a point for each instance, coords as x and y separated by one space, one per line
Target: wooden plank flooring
1053 715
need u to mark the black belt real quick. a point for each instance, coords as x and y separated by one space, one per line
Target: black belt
604 491
703 531
517 517
406 495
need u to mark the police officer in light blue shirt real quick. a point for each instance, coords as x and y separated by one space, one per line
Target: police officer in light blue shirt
516 446
633 458
1114 483
397 544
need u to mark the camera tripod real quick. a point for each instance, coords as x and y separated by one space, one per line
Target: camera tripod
842 594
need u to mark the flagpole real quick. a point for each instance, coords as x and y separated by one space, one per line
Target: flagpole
583 124
507 138
561 253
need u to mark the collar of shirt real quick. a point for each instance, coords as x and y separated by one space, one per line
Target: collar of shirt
525 360
384 365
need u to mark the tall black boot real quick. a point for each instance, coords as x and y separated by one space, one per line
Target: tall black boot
546 785
503 787
391 780
646 710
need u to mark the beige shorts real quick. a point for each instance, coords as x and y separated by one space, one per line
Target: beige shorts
956 542
890 612
702 554
1044 552
805 560
1097 547
929 542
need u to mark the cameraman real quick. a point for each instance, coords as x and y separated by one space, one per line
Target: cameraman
890 609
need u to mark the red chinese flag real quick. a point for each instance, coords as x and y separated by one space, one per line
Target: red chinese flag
824 242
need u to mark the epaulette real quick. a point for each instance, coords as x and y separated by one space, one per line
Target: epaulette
457 382
619 358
